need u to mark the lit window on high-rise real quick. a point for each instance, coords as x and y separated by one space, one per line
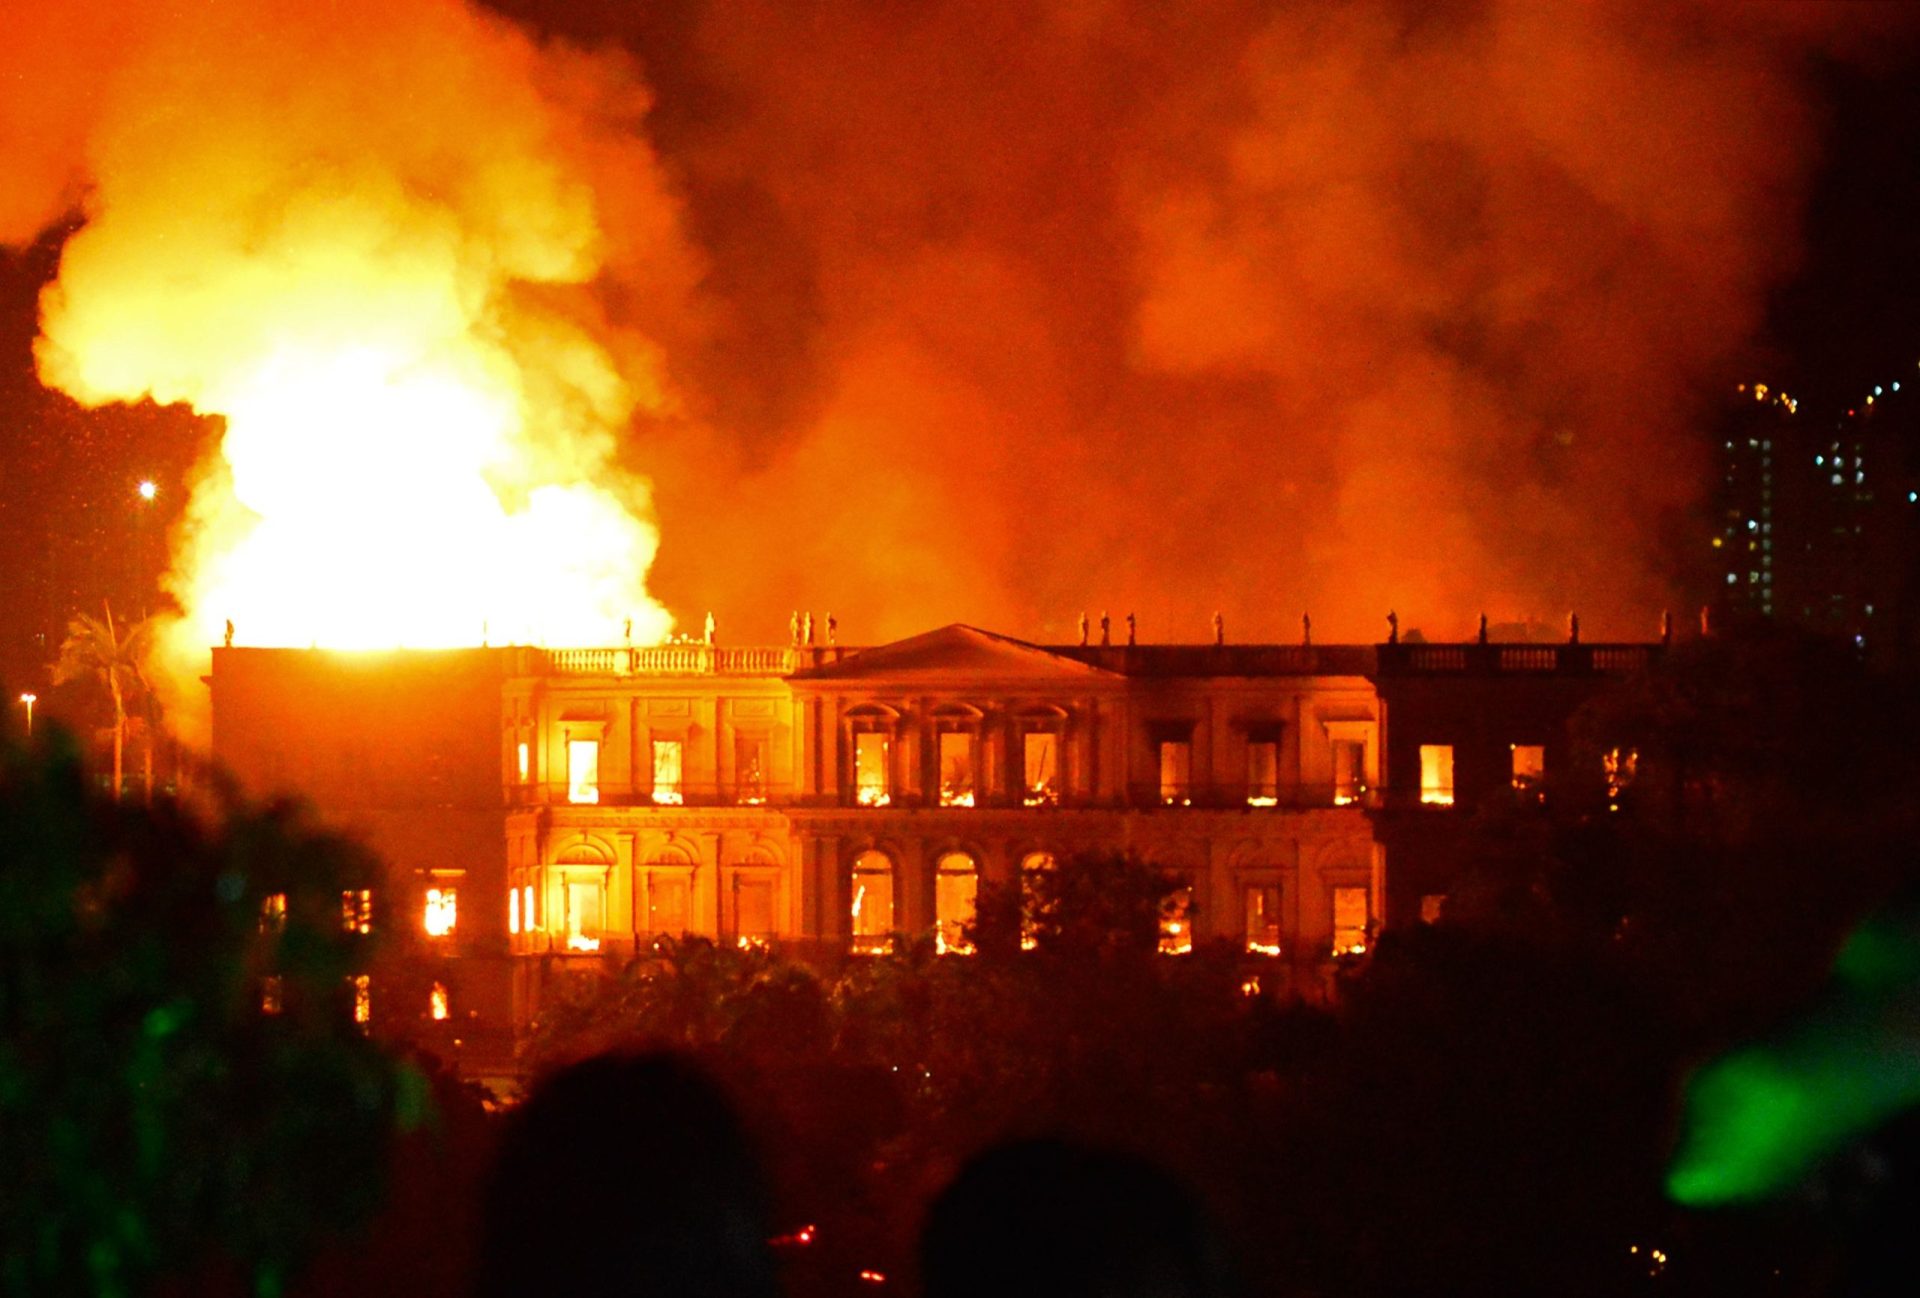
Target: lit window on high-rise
437 1006
356 910
583 770
523 761
362 1000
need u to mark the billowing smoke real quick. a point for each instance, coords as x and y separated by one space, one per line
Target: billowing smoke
379 239
917 312
1265 308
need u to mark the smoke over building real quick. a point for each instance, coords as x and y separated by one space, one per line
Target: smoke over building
923 313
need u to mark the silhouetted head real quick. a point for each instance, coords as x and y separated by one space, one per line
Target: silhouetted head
625 1175
1044 1217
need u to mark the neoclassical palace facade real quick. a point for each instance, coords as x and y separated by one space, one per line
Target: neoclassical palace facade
549 809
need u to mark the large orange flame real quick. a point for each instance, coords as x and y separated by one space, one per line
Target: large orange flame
373 241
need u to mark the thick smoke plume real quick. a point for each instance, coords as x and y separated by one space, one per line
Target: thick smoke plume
1266 308
934 311
379 240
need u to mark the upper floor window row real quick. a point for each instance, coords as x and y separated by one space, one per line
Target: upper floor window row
666 771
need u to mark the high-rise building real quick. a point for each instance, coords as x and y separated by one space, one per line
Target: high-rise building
1816 514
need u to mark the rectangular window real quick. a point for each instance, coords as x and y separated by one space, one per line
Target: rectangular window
956 888
871 783
1176 926
1436 774
1431 907
1262 910
668 905
513 910
872 910
1350 915
1529 766
362 1000
437 1005
1176 771
526 909
1349 771
583 770
273 912
1263 773
272 992
523 761
752 911
749 769
441 913
956 769
584 915
356 910
1040 763
666 772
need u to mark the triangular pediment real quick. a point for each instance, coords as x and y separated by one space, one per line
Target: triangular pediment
956 651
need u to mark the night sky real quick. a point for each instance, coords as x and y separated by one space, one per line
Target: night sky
73 530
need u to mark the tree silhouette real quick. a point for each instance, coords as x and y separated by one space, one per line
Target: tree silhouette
113 655
184 1093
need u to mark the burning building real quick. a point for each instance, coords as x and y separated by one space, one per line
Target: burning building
549 808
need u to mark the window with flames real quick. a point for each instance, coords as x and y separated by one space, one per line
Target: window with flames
442 912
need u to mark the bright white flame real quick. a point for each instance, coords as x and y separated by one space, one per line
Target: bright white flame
441 914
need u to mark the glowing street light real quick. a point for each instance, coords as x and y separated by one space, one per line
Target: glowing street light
148 489
29 700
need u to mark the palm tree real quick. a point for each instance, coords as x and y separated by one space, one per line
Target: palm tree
97 649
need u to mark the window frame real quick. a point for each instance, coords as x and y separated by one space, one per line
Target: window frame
949 932
872 940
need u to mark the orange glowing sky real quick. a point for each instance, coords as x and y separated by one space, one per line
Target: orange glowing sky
549 320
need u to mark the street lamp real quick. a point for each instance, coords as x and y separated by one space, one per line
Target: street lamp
29 700
142 542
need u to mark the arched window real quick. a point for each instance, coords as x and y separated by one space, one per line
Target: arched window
956 884
872 906
1031 867
583 866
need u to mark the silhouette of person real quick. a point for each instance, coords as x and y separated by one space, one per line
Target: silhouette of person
627 1175
1047 1217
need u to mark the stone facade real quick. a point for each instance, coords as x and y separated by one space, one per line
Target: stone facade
829 799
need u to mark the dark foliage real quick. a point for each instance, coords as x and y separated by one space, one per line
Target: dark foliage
153 1120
